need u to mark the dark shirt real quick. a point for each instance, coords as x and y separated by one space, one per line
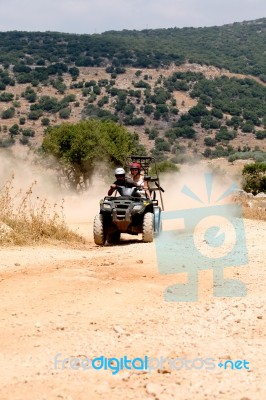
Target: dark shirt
125 182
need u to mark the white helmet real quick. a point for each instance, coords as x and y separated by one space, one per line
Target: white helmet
120 171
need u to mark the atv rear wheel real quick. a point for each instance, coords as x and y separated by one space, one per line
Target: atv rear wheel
98 230
113 238
148 228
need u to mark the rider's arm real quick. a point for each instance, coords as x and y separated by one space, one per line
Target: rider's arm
146 189
112 189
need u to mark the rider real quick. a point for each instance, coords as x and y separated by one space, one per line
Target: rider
121 180
135 169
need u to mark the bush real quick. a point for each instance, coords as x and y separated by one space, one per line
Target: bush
64 113
254 178
261 135
162 145
29 132
24 140
6 97
7 142
30 95
14 130
45 121
34 115
209 141
9 113
247 127
224 134
153 133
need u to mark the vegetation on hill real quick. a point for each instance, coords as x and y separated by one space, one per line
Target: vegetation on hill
238 47
42 85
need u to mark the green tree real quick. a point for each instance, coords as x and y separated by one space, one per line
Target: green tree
80 147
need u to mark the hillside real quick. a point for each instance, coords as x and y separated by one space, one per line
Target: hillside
184 105
238 47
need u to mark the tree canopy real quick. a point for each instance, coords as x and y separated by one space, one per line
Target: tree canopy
79 148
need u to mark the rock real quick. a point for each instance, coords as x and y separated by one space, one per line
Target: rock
118 291
261 194
38 325
118 329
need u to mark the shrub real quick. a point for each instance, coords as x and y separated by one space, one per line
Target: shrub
254 178
24 140
45 121
162 145
209 141
35 114
7 142
64 113
261 135
14 130
29 132
6 97
9 113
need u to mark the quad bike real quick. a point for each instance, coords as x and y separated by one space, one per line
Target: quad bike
130 212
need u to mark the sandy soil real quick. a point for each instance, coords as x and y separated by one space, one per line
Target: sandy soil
109 301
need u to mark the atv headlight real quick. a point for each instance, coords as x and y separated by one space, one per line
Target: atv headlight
138 207
106 206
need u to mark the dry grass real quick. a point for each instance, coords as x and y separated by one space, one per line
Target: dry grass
254 213
27 220
252 209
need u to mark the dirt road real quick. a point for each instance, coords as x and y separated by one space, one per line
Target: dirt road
93 302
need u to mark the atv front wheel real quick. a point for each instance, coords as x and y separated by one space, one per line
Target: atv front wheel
98 230
148 228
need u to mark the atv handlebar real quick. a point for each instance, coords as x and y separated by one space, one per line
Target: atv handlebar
126 191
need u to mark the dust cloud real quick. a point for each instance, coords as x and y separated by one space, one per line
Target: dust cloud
195 178
28 171
81 208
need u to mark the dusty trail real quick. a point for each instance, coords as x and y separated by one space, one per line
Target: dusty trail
109 301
